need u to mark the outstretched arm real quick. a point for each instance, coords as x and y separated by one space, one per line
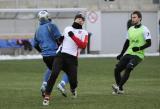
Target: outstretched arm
80 43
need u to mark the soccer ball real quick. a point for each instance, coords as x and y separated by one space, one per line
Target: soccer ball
43 15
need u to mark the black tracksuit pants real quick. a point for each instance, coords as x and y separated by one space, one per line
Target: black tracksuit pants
68 64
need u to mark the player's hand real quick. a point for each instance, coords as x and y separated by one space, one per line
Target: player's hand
70 33
119 56
135 49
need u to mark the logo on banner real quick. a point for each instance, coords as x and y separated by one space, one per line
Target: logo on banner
92 16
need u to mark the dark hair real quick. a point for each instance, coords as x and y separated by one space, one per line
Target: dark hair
138 13
45 10
79 16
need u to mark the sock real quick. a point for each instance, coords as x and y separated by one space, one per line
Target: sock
62 83
64 80
117 75
124 78
44 83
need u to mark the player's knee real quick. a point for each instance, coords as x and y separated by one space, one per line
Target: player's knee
117 67
130 66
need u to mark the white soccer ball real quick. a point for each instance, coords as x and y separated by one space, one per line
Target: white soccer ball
43 14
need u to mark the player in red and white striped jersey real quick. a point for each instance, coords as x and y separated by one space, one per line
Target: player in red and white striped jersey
75 39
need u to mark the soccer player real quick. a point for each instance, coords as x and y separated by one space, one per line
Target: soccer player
75 39
138 39
46 40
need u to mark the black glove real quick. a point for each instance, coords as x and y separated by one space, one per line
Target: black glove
70 33
119 56
38 48
136 49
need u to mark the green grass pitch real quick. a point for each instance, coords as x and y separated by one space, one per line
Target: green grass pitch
20 82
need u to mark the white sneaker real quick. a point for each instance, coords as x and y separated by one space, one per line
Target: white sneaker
62 90
74 94
114 93
115 88
46 101
120 92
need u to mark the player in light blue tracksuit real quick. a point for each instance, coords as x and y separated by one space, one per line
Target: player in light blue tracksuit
46 40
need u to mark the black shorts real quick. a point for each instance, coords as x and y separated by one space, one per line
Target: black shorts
48 60
129 60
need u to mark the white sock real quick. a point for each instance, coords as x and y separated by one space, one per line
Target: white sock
63 83
44 83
